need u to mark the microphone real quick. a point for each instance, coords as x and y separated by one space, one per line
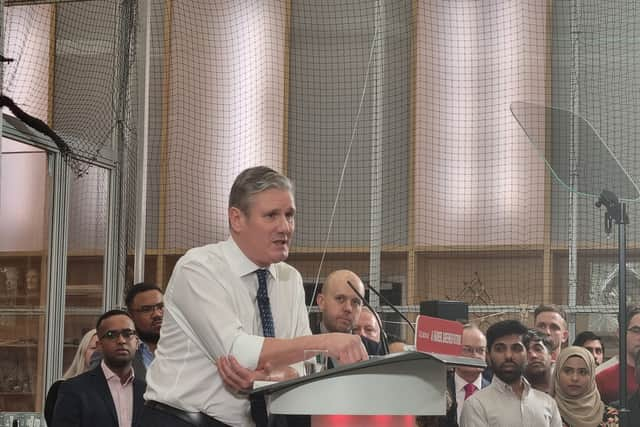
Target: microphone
393 307
383 334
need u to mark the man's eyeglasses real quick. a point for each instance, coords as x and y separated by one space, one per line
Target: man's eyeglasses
115 334
634 330
147 309
467 349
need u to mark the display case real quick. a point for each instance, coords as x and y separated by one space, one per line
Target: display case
23 278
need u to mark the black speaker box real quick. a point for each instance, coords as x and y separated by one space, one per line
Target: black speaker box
449 310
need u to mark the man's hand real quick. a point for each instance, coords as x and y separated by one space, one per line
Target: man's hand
238 378
346 348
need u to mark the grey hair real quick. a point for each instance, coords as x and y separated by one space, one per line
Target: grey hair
253 181
79 365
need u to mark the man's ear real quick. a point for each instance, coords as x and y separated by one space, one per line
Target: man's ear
236 219
320 301
565 337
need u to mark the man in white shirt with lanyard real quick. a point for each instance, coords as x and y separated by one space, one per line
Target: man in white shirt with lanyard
234 313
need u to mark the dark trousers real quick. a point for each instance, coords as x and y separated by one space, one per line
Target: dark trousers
155 416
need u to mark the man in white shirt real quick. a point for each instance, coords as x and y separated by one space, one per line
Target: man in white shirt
214 342
509 400
467 380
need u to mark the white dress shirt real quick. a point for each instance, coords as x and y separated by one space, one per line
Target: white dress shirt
460 393
498 406
210 310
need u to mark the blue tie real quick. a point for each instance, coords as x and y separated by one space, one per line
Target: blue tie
268 329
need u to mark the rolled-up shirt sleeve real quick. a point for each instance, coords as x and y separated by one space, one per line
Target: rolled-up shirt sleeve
205 309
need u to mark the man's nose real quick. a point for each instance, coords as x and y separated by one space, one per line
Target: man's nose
284 225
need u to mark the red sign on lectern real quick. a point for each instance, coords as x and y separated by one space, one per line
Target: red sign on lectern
434 335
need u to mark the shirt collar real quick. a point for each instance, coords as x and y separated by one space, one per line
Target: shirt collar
144 348
239 262
506 388
109 374
460 382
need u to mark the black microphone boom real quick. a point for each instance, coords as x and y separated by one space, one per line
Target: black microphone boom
393 307
383 334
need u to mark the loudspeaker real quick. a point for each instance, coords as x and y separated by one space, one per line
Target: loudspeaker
449 310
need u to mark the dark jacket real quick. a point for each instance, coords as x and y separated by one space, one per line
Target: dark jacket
451 385
85 401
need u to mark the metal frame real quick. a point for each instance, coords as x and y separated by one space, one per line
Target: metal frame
56 253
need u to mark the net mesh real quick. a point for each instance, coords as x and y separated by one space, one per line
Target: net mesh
393 120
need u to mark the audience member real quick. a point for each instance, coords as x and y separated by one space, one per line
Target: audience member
341 307
509 401
367 325
633 403
552 321
109 395
593 343
79 364
235 313
467 380
608 378
538 370
145 305
576 393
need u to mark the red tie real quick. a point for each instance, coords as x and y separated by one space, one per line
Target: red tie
469 389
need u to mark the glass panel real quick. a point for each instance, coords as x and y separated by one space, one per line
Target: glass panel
25 194
89 206
578 158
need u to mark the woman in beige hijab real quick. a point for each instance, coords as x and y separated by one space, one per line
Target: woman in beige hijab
576 393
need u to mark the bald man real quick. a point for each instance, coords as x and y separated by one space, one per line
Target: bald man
367 325
341 307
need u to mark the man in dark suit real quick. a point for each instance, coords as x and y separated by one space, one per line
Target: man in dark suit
145 304
341 307
109 395
465 380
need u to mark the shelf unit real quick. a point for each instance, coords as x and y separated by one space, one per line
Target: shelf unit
22 330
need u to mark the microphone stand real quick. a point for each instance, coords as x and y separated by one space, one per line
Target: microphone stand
393 307
617 212
383 334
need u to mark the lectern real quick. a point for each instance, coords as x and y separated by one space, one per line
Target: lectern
409 383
